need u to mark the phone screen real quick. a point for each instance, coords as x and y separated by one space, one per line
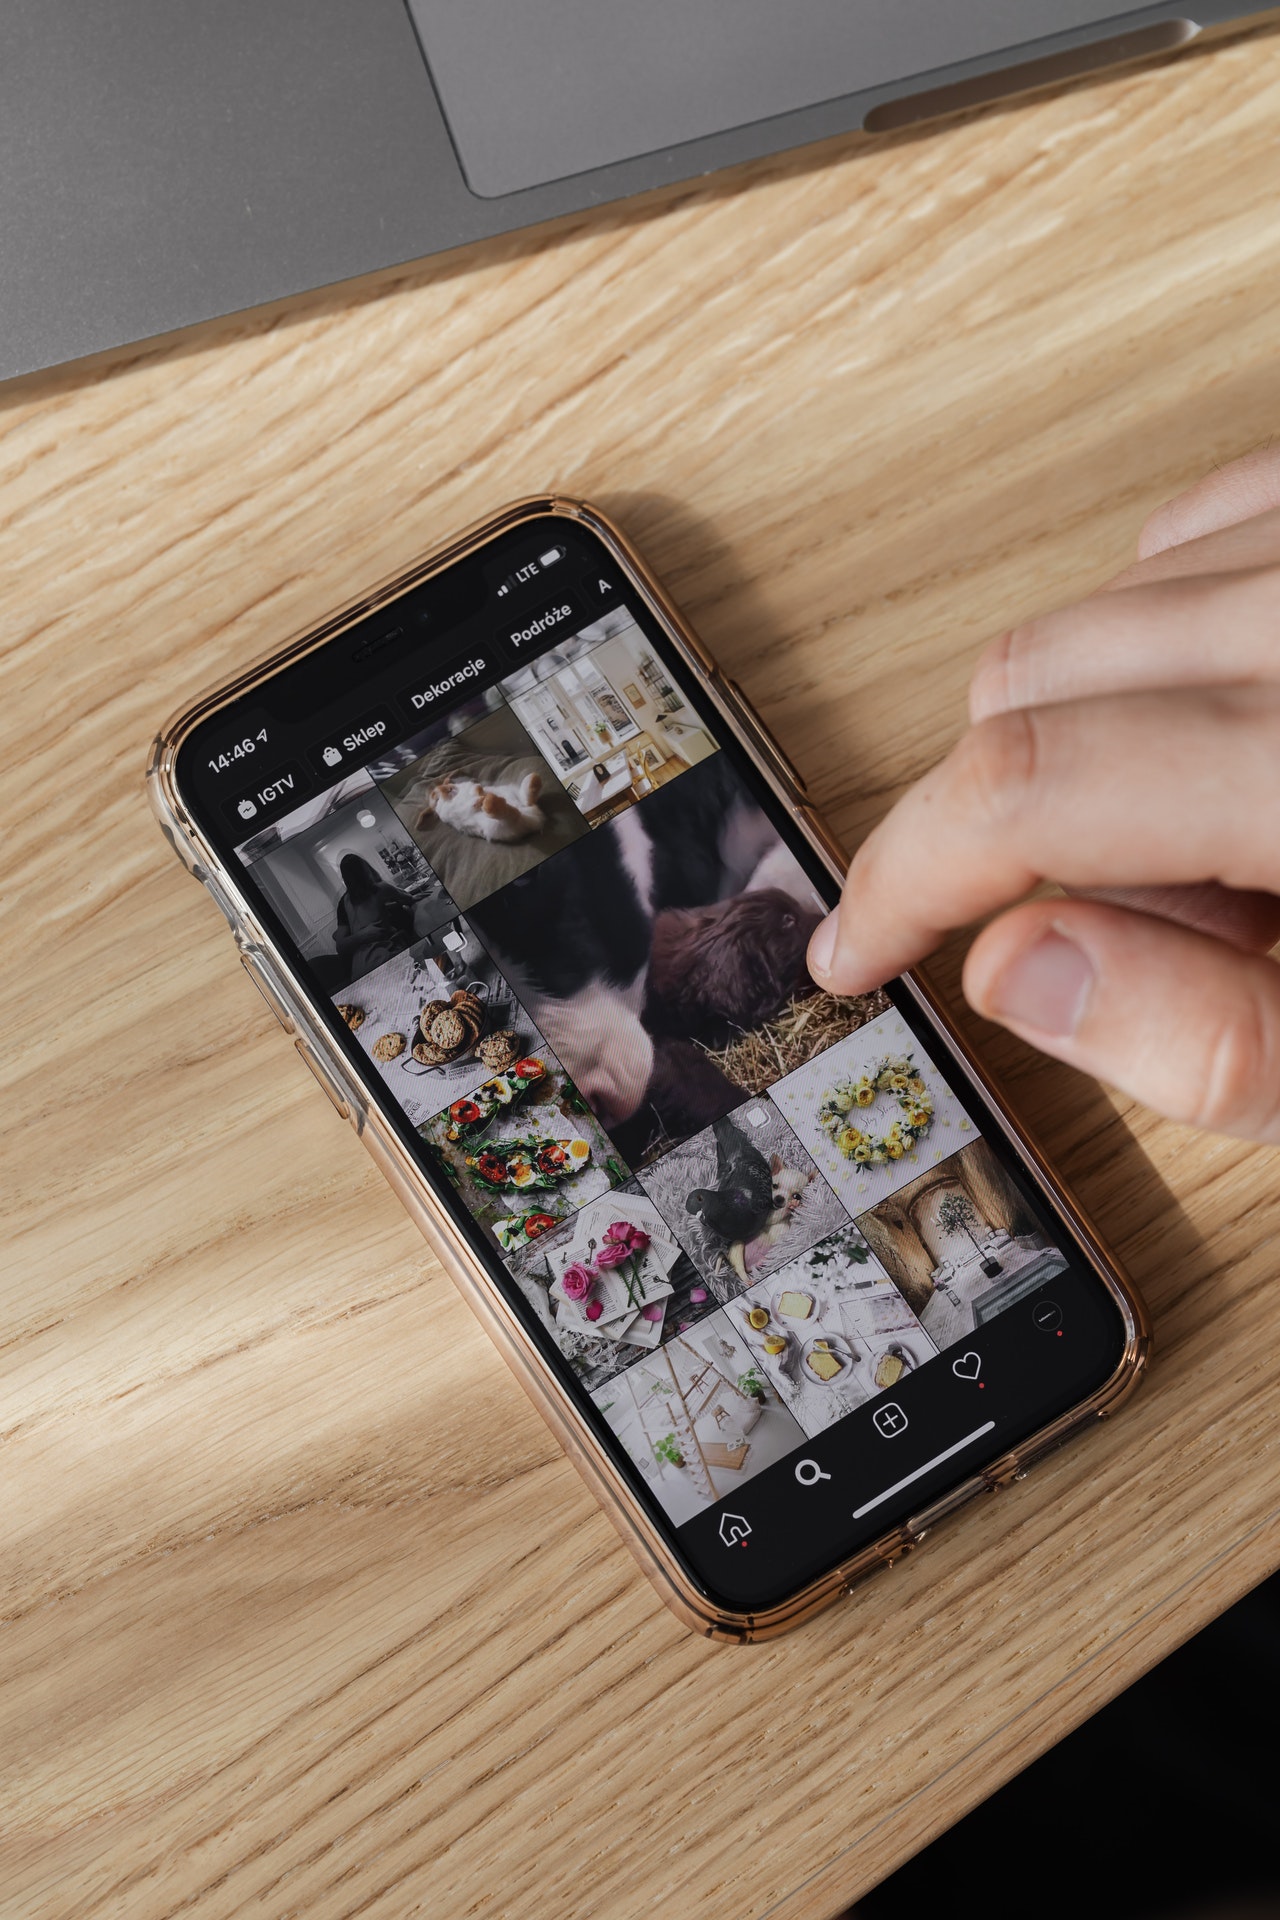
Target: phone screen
558 925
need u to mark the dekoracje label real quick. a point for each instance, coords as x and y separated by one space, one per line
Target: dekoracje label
459 676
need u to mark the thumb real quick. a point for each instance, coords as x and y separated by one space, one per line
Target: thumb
1171 1016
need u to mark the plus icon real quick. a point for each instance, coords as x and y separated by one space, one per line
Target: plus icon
890 1420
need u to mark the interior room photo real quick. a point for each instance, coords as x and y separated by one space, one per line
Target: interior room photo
960 1243
607 717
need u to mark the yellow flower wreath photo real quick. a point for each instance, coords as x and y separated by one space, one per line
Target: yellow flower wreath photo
896 1078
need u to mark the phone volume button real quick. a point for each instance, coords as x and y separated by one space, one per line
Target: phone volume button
318 1073
220 901
265 987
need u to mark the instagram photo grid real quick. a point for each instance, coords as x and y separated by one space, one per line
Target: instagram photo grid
573 947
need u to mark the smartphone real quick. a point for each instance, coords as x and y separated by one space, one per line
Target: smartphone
529 885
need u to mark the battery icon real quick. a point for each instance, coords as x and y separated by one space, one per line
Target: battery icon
549 558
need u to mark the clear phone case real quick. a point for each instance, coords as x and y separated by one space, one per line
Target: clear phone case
271 971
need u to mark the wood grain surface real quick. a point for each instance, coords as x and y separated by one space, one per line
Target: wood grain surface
304 1614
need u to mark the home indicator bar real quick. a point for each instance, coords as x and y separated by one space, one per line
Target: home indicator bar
928 1467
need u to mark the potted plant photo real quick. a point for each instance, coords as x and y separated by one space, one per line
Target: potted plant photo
956 1214
752 1382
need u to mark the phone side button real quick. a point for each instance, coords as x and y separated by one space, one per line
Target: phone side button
825 838
763 736
701 658
331 1094
263 985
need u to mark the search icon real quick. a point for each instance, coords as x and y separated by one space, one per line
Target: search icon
808 1473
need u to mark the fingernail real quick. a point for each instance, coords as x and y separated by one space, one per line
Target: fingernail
1047 987
822 946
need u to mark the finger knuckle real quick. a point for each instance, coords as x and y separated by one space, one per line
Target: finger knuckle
1001 678
1241 1082
998 764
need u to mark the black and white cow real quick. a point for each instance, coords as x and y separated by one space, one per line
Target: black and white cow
575 936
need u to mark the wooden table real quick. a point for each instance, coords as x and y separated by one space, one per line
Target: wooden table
304 1612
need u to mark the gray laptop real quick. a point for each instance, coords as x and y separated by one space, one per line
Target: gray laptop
164 161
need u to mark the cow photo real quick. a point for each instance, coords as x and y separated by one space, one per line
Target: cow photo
656 940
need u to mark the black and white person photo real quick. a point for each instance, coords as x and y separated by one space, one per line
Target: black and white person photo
351 886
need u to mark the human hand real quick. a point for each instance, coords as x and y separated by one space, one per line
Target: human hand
1127 748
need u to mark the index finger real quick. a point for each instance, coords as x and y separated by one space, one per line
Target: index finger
1239 491
1091 794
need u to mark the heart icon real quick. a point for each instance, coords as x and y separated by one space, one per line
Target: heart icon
967 1367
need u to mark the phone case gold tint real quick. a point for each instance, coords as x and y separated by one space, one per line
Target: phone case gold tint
272 972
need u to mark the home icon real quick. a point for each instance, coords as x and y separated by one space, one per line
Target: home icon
734 1529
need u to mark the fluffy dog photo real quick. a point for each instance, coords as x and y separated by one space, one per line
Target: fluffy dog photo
743 1197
